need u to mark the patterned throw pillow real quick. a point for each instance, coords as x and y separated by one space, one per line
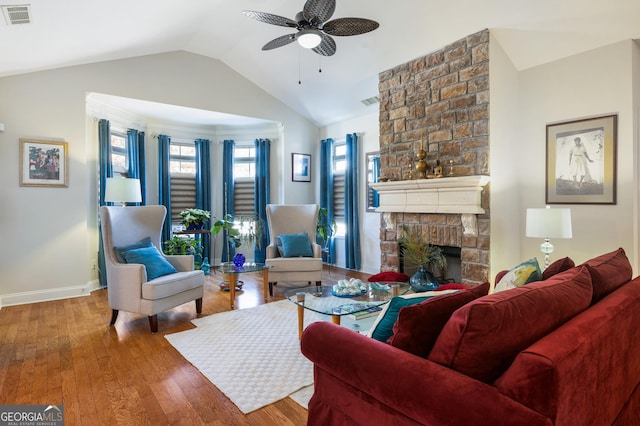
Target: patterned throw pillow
524 273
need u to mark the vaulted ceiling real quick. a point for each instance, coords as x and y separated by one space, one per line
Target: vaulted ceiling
532 32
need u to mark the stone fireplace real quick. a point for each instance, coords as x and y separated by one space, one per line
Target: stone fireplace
438 103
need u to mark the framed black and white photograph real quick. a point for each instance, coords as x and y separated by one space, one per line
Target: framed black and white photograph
300 167
581 161
43 163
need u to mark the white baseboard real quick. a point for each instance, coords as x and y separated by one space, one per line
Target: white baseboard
48 295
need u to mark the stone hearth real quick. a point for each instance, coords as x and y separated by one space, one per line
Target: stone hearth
439 103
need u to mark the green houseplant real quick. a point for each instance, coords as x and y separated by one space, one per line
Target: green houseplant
194 218
426 256
241 229
325 227
181 245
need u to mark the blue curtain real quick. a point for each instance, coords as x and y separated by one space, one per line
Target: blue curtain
228 191
136 170
106 171
326 187
203 185
261 195
164 182
351 197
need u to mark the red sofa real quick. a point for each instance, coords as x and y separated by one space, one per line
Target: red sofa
561 351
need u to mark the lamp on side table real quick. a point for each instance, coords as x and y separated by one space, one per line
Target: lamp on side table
548 223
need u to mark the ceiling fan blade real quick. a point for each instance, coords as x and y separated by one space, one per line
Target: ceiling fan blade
279 42
318 11
327 46
268 18
349 26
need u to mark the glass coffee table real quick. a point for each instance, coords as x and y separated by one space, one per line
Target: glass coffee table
321 299
232 271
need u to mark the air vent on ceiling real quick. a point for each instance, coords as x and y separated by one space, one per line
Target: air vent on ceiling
370 101
17 14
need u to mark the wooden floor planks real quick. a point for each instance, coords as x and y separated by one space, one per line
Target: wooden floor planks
64 352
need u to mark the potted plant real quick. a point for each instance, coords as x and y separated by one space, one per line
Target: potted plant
194 218
182 245
239 229
325 227
426 256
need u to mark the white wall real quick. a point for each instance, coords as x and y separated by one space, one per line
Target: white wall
593 83
503 168
368 129
50 234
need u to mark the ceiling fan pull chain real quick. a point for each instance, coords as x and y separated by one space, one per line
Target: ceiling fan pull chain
319 63
299 82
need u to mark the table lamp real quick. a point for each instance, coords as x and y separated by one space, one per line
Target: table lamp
548 223
123 190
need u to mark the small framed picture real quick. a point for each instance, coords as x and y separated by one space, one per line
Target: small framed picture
43 163
300 167
581 161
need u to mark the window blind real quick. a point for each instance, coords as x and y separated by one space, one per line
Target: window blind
338 196
183 195
243 201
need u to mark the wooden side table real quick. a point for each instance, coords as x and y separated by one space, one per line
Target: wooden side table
232 271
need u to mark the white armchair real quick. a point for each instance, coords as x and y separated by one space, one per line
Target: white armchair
127 284
293 219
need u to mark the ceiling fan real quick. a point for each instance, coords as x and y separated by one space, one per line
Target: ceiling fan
314 32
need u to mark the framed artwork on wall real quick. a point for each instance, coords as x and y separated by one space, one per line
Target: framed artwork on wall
581 161
300 167
43 163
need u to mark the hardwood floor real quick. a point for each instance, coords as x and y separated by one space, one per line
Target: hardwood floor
64 352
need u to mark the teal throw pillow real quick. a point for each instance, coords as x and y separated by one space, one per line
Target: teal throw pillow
296 245
145 242
382 329
155 264
525 273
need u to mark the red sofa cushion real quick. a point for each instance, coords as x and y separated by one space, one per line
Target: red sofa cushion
389 276
452 286
608 272
483 337
558 266
418 326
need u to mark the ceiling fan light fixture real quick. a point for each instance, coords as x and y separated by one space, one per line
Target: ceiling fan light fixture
309 38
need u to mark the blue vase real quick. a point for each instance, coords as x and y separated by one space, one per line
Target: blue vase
238 260
423 280
205 267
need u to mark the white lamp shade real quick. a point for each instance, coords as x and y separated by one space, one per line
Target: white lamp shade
549 223
123 190
309 38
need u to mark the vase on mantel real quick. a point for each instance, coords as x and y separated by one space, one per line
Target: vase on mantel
423 280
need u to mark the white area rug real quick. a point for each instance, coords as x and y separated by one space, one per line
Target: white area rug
252 355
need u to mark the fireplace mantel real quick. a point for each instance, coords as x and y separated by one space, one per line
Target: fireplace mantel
459 194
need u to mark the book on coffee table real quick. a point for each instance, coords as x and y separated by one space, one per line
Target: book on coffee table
372 311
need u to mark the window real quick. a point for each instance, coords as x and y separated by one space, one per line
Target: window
244 171
244 162
182 158
119 154
339 167
182 168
